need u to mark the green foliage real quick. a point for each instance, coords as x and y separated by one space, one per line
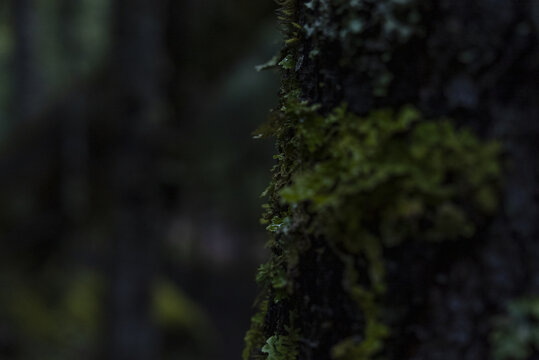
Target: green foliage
255 338
417 176
286 14
282 347
276 347
362 347
515 335
270 64
274 273
287 62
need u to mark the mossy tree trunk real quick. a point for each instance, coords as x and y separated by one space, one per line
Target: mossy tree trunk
405 200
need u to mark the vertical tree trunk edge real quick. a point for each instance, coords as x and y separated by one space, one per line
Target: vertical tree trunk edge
403 202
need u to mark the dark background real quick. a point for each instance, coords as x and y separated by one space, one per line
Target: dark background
129 179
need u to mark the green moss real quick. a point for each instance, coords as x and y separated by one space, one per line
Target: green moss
255 337
362 346
278 346
274 273
515 334
425 179
282 347
287 16
366 183
173 309
391 165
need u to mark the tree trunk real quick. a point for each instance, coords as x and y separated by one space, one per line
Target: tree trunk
75 152
405 200
138 51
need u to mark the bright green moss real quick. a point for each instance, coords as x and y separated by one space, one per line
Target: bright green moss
515 334
425 180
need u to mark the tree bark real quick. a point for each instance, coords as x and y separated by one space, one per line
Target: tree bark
473 63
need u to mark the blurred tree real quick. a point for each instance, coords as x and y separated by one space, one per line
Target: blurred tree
26 89
132 138
138 51
74 123
394 236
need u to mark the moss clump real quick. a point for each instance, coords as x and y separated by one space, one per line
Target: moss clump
391 176
282 347
363 184
375 181
515 334
255 337
287 17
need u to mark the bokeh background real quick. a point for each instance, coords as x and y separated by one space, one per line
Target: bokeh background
129 179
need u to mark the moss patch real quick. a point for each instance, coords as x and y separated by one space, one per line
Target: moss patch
363 184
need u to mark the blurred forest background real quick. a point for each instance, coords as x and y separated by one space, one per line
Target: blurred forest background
129 180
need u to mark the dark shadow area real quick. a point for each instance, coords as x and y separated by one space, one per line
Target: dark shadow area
129 178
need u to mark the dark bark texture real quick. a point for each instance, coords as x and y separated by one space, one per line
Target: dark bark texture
476 63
